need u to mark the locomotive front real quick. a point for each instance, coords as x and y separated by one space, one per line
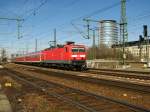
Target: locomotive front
78 56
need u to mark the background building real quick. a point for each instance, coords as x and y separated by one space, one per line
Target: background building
108 32
136 48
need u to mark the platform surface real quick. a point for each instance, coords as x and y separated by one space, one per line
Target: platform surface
4 102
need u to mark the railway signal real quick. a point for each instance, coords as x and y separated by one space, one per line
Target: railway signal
145 30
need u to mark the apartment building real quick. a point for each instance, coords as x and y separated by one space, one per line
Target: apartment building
138 49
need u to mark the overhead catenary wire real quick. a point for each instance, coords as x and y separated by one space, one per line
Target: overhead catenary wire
95 12
92 14
99 11
72 21
137 18
73 2
33 11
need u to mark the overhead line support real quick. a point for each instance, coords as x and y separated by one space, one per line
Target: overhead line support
18 23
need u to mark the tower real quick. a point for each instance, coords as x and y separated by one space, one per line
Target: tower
123 22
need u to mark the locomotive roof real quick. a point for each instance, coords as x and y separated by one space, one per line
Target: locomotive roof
62 46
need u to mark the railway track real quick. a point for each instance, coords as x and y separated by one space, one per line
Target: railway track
139 75
31 88
120 73
126 71
89 78
84 101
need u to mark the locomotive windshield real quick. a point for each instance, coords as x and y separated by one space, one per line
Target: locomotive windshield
78 49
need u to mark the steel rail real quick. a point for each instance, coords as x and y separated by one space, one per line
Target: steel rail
81 106
124 71
125 85
120 74
58 96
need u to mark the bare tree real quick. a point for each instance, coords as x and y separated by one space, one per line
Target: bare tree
3 56
104 52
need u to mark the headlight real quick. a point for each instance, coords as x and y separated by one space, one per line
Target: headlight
82 55
73 55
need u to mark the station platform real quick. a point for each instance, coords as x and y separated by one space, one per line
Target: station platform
114 64
4 102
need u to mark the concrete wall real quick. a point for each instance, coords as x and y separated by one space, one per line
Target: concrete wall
102 64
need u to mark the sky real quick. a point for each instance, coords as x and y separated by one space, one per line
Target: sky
41 17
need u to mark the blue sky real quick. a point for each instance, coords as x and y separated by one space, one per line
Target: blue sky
40 20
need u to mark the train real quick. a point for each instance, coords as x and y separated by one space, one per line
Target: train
70 56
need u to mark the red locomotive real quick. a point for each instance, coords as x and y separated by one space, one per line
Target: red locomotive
70 56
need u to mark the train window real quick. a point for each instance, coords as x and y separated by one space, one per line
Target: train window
74 49
78 49
81 50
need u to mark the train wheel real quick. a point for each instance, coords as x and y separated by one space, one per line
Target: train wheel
83 67
71 67
78 68
67 67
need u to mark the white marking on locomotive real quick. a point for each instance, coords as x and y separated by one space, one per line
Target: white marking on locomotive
74 56
82 55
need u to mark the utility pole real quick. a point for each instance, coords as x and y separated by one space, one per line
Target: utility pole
140 46
123 28
98 37
55 38
54 42
88 34
18 27
94 46
145 33
93 43
88 25
36 45
124 20
18 24
123 44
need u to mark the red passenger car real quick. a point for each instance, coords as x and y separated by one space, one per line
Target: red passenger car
69 55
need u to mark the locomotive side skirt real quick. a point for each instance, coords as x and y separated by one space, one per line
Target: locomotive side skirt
72 62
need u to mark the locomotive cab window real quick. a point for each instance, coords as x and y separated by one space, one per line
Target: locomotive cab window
78 49
81 49
74 49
